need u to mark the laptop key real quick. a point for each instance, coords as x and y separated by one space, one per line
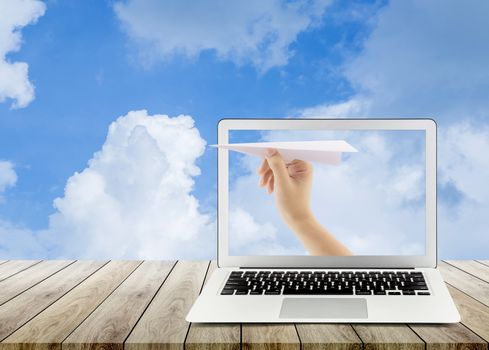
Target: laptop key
322 282
290 291
363 292
272 292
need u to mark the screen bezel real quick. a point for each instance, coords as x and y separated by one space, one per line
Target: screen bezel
428 260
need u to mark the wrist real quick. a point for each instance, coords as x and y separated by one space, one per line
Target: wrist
300 220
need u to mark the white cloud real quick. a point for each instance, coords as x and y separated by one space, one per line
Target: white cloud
408 182
422 59
426 58
429 58
355 107
15 241
257 32
18 242
8 176
246 230
14 81
133 200
464 169
464 160
250 237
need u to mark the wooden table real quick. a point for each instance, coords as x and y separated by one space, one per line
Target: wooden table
140 305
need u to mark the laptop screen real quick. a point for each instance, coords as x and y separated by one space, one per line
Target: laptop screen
327 192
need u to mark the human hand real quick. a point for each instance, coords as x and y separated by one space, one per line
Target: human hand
292 186
291 183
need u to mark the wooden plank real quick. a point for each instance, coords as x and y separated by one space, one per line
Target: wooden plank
392 337
25 279
473 267
474 314
465 282
12 267
163 324
453 336
49 328
269 337
485 262
208 336
110 324
328 337
25 306
214 336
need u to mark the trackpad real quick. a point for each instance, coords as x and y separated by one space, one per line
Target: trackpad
323 308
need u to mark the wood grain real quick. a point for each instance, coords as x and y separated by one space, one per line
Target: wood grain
110 324
53 325
25 279
485 262
84 306
12 267
203 336
25 306
473 267
474 314
328 336
163 324
392 337
465 282
269 337
214 337
449 337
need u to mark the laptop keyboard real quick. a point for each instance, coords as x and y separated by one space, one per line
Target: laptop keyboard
325 283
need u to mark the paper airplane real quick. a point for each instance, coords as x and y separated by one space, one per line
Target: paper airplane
328 152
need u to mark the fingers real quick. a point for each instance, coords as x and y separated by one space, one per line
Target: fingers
273 170
263 167
277 164
267 181
270 185
298 167
265 178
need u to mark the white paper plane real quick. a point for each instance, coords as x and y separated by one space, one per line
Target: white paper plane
328 152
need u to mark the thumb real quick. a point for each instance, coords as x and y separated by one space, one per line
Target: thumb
277 164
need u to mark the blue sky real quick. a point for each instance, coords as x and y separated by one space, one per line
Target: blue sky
85 75
94 61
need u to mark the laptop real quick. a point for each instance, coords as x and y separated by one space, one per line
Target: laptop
326 220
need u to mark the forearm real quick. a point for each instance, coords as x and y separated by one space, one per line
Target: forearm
316 239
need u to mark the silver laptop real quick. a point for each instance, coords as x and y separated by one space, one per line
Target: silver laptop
326 220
